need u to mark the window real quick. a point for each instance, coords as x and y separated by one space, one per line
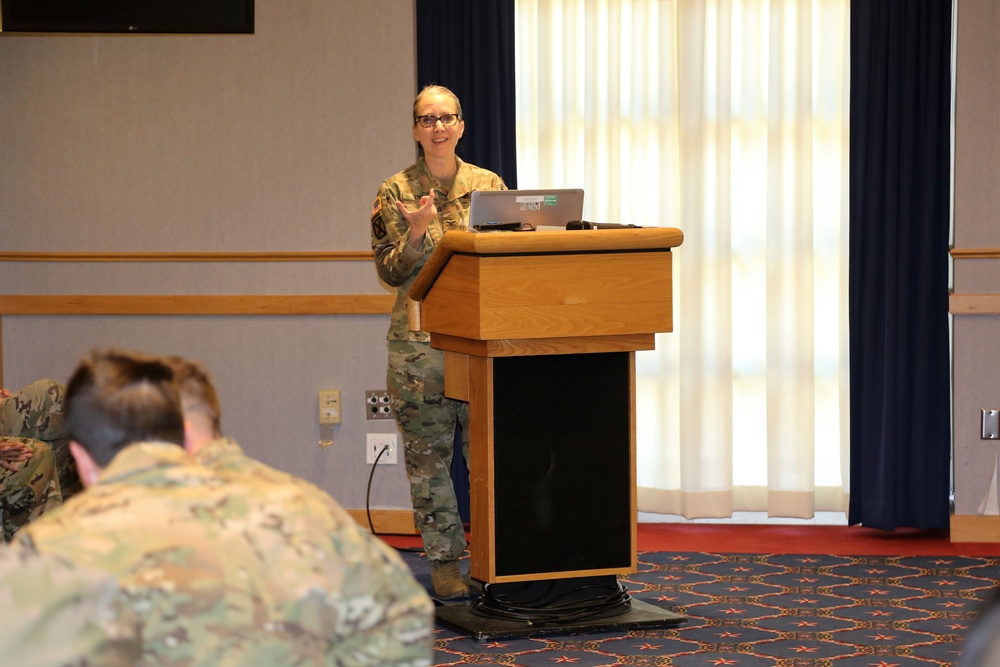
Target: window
728 120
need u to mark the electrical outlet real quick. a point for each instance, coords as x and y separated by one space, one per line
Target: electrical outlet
377 405
329 406
376 442
990 422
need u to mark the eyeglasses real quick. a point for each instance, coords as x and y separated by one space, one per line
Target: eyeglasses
447 120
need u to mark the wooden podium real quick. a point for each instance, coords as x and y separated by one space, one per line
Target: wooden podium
539 332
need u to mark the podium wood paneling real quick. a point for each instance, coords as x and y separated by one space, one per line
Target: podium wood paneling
551 296
539 331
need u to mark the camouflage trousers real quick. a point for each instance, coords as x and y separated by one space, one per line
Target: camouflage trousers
427 420
30 491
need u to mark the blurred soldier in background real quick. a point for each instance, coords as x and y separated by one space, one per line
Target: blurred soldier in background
37 472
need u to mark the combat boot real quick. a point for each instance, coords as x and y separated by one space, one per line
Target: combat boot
475 587
448 581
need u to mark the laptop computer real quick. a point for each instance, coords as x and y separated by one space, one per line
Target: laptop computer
496 210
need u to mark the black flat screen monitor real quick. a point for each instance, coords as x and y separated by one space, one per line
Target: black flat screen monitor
128 16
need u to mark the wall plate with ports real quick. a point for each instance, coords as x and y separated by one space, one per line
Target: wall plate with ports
375 443
377 405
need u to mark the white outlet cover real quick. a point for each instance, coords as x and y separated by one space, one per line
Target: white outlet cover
375 442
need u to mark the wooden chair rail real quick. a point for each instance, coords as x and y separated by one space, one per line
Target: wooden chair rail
974 304
339 256
156 304
975 253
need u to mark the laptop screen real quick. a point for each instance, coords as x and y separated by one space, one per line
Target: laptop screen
515 209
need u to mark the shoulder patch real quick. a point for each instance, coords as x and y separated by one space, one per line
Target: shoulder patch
378 225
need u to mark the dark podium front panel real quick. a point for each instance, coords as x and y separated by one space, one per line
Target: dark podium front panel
562 468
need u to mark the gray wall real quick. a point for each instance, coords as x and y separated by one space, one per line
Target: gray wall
977 201
269 142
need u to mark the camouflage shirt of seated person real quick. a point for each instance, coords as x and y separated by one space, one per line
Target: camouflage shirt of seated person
36 470
227 569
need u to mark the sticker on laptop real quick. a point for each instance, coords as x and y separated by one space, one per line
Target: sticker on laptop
536 202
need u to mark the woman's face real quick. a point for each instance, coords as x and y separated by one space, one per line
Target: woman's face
438 141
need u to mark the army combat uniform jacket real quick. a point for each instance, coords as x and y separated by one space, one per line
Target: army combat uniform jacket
32 417
233 570
396 262
404 631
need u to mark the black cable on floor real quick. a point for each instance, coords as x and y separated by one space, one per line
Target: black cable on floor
368 507
557 602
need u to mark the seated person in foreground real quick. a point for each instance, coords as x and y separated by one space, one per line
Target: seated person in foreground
982 642
36 470
218 569
372 571
75 613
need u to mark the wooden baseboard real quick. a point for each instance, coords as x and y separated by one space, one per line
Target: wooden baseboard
975 528
387 522
964 527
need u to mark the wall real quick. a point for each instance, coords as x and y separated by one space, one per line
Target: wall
976 316
271 142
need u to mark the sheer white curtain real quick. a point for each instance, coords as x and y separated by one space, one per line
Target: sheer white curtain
726 119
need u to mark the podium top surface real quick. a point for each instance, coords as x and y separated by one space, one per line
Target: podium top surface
506 243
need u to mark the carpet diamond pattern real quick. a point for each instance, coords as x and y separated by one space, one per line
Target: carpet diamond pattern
751 610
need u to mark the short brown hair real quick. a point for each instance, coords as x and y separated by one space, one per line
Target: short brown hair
116 398
196 390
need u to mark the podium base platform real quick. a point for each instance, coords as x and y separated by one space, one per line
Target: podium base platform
640 615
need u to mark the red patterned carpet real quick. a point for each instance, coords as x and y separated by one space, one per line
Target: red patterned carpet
772 596
783 539
777 539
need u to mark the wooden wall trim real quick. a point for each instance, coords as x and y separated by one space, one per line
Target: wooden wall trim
387 522
974 304
155 304
975 253
313 304
975 528
342 256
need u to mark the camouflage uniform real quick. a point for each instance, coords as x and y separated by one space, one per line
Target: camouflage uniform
404 633
426 418
31 491
33 417
76 613
34 412
223 569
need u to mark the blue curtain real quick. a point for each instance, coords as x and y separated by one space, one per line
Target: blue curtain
900 156
468 46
